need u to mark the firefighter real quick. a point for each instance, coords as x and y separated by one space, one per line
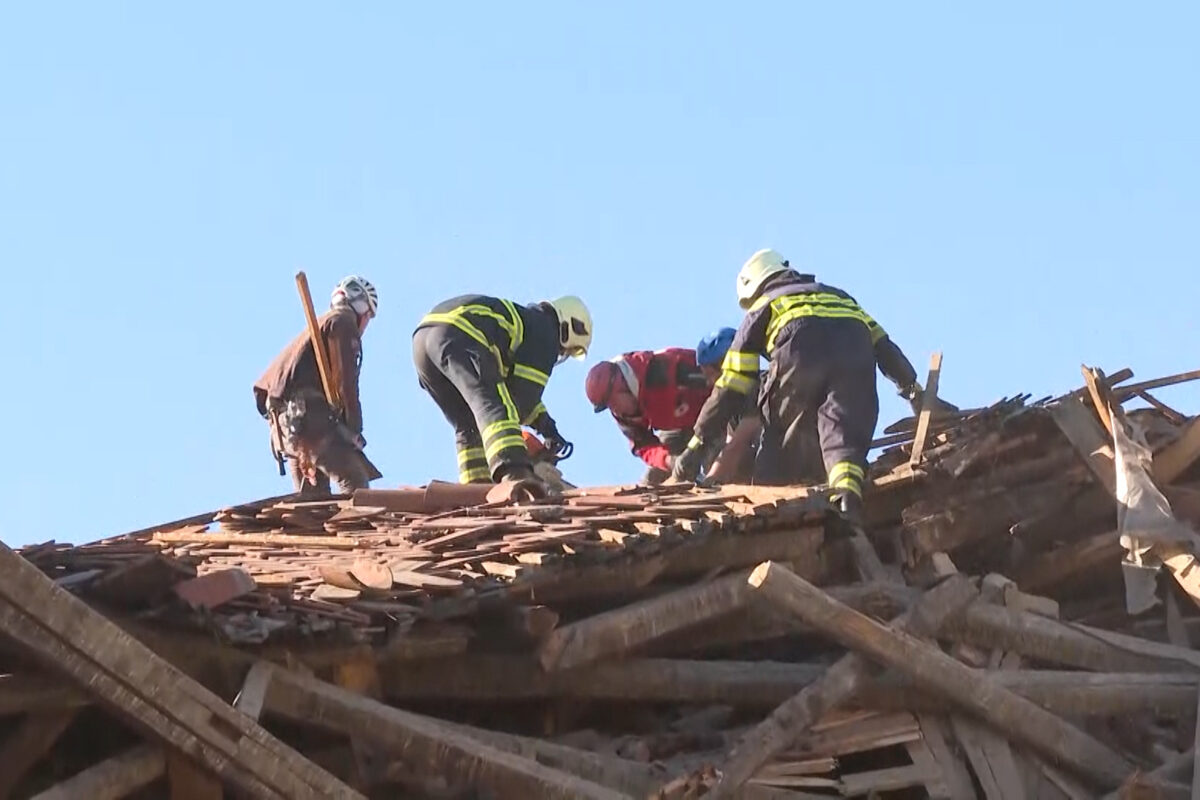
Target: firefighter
316 445
486 361
662 390
823 351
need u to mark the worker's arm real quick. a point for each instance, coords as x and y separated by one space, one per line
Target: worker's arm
737 449
344 345
892 362
643 443
739 377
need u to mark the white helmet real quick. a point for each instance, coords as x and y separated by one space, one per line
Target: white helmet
356 292
755 272
574 326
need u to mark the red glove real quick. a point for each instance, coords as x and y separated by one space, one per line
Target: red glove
657 456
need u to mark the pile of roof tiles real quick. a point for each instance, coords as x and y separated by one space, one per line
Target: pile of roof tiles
1010 624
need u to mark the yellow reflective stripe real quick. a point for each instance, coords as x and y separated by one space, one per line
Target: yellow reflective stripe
474 474
530 374
694 443
799 312
469 453
513 325
735 382
849 484
538 410
502 428
846 468
740 361
503 443
509 405
877 331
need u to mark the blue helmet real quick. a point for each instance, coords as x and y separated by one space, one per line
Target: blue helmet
712 348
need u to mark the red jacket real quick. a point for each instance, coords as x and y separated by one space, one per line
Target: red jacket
670 389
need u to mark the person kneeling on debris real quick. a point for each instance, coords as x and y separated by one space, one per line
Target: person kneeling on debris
660 390
823 350
486 361
317 444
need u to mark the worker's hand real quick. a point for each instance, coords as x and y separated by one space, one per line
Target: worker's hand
687 466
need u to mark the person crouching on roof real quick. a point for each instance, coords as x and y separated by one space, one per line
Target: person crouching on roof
655 397
485 362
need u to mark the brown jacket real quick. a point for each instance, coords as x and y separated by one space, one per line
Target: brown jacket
296 367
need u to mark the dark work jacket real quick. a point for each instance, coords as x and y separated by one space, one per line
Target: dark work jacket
295 368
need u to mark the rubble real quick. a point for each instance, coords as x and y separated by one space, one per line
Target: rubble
1016 621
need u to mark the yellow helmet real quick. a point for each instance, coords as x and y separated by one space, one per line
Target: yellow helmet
574 326
755 272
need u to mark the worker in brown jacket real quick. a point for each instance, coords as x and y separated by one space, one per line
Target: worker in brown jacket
317 445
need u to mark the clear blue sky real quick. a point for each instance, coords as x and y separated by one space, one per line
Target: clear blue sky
1018 186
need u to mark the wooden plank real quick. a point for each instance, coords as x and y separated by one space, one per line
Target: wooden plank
1177 457
429 746
992 760
258 540
933 670
620 630
1077 558
249 700
955 779
1079 425
188 782
839 683
1125 392
137 685
927 402
112 778
22 694
25 746
1099 401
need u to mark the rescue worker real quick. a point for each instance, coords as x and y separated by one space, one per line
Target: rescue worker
486 361
823 351
317 446
661 390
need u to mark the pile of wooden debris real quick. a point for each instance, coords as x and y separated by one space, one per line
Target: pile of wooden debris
1015 622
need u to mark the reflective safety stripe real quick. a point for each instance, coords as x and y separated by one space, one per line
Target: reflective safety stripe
847 476
740 361
735 382
474 474
818 304
509 405
503 443
538 410
513 325
530 374
469 453
502 428
694 443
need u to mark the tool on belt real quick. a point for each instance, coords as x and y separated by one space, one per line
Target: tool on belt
328 384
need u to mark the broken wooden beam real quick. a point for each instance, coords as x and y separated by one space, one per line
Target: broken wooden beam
928 399
129 679
839 683
933 670
112 778
1175 459
428 745
620 630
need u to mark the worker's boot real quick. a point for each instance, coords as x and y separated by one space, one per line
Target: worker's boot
851 506
521 484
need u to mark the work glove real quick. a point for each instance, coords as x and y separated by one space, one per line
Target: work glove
687 465
558 447
915 396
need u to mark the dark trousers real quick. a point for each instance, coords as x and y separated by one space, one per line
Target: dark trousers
822 380
333 458
464 379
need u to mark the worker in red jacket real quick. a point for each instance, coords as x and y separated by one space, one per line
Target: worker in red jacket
663 391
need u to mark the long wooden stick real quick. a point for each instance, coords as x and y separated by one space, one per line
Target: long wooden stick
318 341
927 400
